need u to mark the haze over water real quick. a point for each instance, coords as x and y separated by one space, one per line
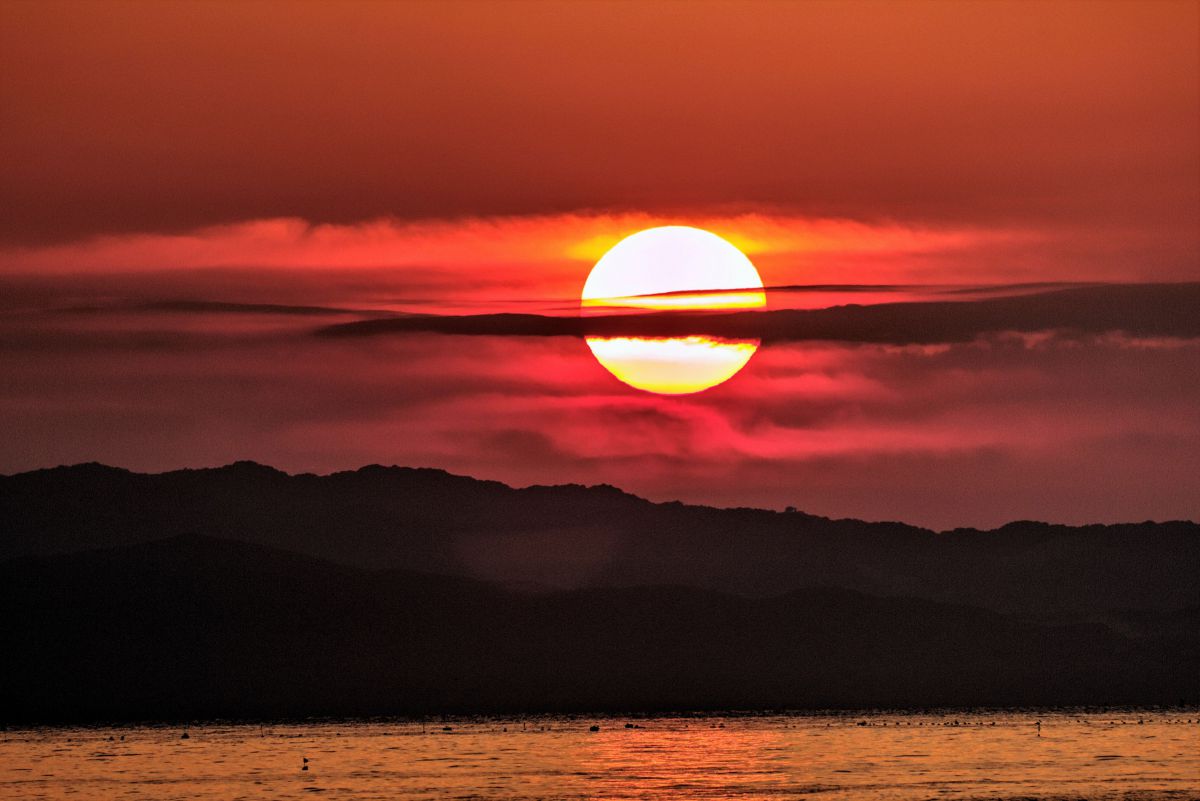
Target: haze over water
956 755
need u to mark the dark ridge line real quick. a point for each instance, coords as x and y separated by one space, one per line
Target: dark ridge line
247 466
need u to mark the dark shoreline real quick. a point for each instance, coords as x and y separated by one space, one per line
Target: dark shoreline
849 714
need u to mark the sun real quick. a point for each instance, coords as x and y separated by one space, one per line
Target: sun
673 268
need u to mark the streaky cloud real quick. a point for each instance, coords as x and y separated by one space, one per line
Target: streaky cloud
219 307
1153 310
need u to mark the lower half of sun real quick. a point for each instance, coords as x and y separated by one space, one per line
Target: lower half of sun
673 270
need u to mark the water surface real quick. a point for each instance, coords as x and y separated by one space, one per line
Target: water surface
956 755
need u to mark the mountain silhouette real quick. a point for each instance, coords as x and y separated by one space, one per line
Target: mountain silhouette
196 627
567 537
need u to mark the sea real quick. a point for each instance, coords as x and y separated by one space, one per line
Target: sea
1136 755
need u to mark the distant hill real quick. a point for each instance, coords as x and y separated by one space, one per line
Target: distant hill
196 627
575 537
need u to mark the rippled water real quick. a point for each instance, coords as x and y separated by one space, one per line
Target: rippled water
955 755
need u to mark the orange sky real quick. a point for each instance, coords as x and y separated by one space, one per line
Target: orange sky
167 117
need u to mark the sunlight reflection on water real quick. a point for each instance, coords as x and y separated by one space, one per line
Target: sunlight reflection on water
957 755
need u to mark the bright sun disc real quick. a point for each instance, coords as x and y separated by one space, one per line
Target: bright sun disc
673 268
674 261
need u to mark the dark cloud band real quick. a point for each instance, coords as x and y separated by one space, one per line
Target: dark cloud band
1139 310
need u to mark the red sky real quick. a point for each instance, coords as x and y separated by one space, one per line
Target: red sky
456 157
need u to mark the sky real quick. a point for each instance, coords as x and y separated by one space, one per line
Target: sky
360 159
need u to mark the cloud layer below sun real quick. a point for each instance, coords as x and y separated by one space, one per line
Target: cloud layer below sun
1071 427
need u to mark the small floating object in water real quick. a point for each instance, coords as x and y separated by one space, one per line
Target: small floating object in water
594 728
447 728
629 725
185 736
